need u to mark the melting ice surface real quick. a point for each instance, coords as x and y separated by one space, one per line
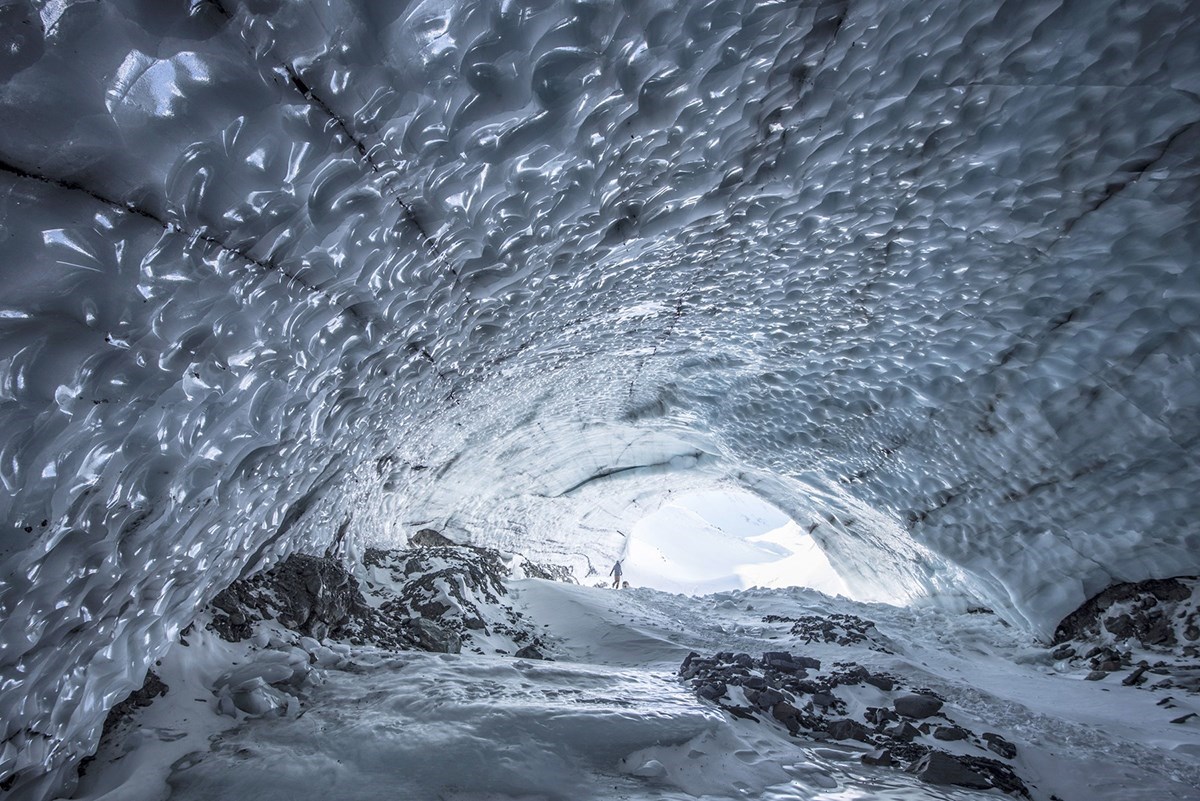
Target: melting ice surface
923 274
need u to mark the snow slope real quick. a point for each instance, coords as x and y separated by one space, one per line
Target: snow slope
608 719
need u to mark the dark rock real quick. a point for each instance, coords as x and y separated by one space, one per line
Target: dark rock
1136 676
1120 627
1095 675
713 690
314 596
823 699
917 706
938 767
879 715
884 683
1184 718
998 773
1147 621
846 729
882 758
1001 746
950 733
768 698
788 715
903 731
1109 666
432 637
1063 652
529 652
430 538
788 663
755 683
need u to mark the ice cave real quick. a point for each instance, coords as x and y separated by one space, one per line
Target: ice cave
345 346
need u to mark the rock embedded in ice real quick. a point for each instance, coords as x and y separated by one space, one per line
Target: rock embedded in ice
917 706
938 767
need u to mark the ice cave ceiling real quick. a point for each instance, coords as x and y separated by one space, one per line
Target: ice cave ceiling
924 275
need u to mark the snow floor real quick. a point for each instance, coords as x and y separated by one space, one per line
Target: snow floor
609 720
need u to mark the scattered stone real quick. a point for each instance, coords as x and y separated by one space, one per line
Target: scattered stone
712 691
917 706
938 767
999 745
1095 675
837 628
1184 718
824 699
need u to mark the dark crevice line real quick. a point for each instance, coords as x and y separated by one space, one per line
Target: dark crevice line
1116 188
306 91
129 208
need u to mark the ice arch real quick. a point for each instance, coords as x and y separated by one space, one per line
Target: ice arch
276 269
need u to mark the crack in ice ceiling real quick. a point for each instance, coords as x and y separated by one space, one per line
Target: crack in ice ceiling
924 276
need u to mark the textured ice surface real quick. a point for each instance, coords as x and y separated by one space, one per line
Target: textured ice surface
923 275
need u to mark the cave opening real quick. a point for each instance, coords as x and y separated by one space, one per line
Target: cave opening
715 540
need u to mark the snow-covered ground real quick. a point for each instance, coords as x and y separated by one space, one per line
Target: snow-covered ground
609 718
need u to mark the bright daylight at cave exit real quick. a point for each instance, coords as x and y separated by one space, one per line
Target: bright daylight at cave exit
568 400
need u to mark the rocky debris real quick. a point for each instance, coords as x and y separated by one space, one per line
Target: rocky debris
315 597
1184 718
789 690
549 572
1150 628
917 706
838 629
1145 611
460 587
430 538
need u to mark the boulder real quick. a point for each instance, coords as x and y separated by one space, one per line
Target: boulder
432 637
530 652
950 733
938 767
846 729
917 706
882 758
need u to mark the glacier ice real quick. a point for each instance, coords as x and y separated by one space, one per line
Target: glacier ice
923 276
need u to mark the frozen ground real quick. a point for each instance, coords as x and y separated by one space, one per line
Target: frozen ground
609 719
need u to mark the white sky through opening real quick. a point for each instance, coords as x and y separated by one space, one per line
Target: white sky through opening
719 540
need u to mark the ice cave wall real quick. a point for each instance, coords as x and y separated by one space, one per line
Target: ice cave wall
923 274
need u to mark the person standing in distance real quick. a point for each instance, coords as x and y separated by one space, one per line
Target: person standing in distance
616 574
